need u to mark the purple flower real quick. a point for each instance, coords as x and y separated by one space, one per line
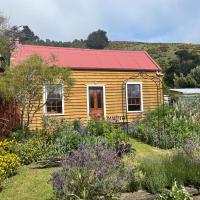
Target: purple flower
87 167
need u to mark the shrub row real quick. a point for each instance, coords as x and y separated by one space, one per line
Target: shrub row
161 172
59 137
174 127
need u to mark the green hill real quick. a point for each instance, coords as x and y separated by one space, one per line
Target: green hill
163 53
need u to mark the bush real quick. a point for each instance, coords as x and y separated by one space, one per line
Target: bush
155 179
61 137
24 150
90 173
58 137
9 162
102 128
160 172
54 140
179 123
177 192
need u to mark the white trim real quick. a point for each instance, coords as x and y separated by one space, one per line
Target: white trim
141 95
104 99
44 100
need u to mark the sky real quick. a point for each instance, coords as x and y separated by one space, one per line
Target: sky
123 20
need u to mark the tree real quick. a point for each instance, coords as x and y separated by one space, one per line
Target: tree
97 40
5 42
181 66
25 82
192 80
24 33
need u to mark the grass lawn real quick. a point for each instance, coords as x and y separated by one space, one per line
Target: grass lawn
28 184
32 184
145 150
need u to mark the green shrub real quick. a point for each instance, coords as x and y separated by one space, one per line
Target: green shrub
177 192
103 128
53 141
155 178
176 126
160 172
9 162
59 137
183 169
90 173
134 181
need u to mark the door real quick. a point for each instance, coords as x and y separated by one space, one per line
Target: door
96 104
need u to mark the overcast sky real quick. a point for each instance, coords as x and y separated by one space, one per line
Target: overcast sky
133 20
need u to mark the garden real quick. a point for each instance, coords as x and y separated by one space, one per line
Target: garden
66 160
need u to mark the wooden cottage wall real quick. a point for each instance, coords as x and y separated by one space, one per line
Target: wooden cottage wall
75 106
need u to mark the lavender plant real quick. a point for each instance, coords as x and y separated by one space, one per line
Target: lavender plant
90 173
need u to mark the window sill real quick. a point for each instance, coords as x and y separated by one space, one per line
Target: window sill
139 111
56 114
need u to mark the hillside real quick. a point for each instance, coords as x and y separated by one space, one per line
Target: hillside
163 53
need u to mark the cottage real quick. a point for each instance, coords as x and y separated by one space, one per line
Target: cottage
117 85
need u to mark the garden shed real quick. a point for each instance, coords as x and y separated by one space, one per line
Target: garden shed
185 97
117 85
185 92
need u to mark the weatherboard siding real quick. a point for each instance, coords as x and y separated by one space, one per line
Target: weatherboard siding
75 105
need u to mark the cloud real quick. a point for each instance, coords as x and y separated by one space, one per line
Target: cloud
144 20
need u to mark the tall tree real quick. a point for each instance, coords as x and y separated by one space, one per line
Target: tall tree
191 80
25 82
5 42
97 40
181 66
24 33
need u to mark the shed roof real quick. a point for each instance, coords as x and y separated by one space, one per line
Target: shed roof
188 91
76 58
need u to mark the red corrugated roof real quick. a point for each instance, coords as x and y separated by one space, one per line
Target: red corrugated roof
76 58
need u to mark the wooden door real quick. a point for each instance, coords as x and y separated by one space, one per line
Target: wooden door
96 104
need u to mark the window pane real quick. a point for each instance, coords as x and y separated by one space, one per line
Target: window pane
134 97
99 98
54 98
133 90
91 96
134 108
54 91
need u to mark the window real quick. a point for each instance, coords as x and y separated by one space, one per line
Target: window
54 99
134 97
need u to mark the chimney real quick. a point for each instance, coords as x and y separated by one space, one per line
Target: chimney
16 46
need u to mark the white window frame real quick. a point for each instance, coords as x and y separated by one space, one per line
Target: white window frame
45 98
104 99
141 97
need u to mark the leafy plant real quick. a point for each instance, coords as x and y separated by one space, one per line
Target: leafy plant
178 124
155 178
90 173
112 133
160 172
9 162
178 192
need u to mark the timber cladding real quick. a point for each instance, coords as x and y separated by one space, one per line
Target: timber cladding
76 104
